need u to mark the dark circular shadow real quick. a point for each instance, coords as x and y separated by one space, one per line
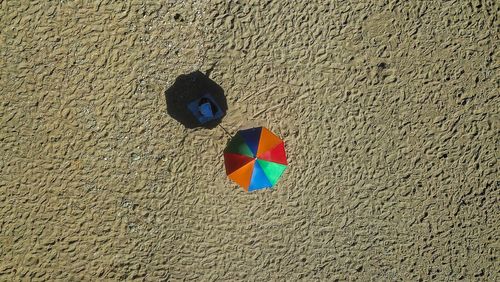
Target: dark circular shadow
187 90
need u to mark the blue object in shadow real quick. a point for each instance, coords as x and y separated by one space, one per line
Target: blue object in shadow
205 109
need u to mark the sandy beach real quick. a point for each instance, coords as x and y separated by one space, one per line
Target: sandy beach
389 111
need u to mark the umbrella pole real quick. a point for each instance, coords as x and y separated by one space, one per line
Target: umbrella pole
224 130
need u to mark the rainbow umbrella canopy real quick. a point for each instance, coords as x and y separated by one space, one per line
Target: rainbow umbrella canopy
255 158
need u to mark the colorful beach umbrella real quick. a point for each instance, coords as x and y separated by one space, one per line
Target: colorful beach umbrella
255 158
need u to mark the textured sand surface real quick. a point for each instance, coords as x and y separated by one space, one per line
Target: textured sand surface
389 110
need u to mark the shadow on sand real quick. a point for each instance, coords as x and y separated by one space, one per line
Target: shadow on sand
188 88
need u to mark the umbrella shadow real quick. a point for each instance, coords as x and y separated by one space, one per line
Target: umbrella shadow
186 91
